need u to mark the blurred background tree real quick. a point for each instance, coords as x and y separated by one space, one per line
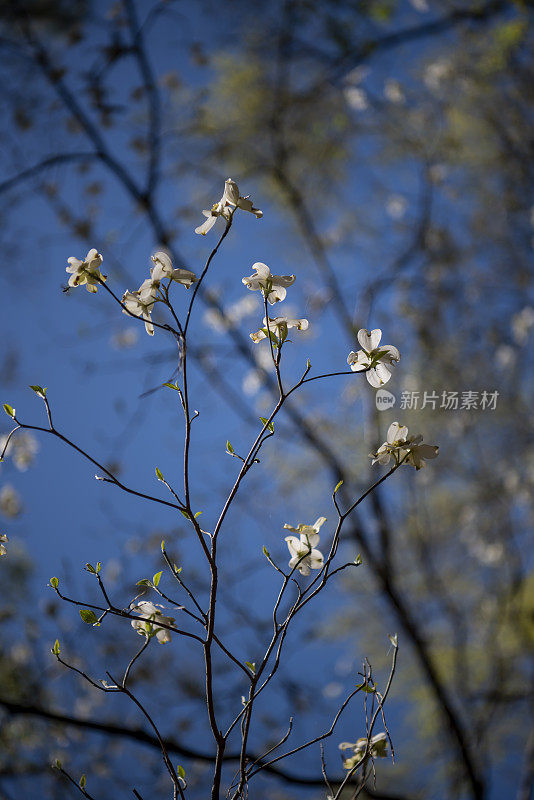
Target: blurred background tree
390 146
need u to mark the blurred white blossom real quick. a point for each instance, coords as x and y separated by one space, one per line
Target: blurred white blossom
22 448
436 73
420 5
124 339
10 502
252 382
393 91
232 314
505 356
522 322
356 98
333 690
396 206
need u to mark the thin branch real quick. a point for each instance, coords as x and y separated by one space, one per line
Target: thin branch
41 166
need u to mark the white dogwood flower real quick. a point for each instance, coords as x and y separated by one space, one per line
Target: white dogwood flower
418 452
3 549
163 268
231 198
140 304
148 624
378 748
309 531
409 449
278 326
304 555
86 271
373 358
272 286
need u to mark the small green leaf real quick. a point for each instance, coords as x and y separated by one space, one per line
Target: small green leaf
251 665
144 582
185 513
308 365
339 485
197 514
57 764
162 545
270 425
90 568
39 390
156 578
366 688
229 447
266 552
54 583
88 616
171 386
82 782
180 771
10 411
272 336
55 648
98 567
358 560
159 475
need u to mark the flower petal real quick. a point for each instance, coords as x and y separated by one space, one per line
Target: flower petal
262 270
393 354
207 225
358 361
316 559
378 376
369 340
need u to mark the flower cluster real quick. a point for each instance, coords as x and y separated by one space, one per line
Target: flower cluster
403 448
230 199
148 624
86 271
141 302
304 556
274 289
378 748
373 358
